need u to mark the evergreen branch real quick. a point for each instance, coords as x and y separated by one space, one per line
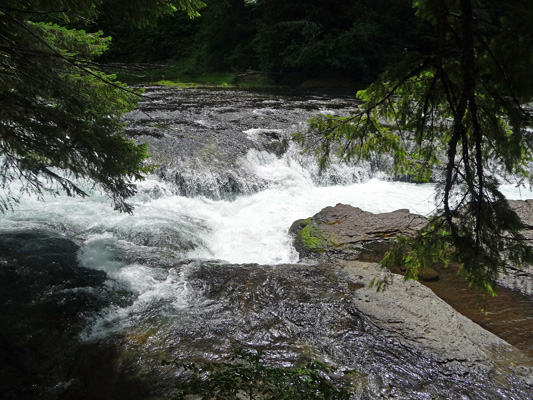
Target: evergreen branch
478 135
452 148
65 183
71 61
367 111
427 101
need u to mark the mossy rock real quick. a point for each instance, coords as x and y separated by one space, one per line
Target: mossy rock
347 232
308 239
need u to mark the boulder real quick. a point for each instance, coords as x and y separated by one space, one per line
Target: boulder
414 315
348 232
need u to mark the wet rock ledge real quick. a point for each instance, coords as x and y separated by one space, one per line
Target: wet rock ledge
352 240
350 233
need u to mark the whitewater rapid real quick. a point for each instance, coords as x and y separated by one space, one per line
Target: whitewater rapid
252 228
148 254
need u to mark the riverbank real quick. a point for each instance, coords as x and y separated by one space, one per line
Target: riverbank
175 75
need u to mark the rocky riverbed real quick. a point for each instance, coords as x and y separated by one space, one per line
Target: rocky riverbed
403 343
354 240
93 301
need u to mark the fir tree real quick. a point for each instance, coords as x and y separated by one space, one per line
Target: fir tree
59 115
452 110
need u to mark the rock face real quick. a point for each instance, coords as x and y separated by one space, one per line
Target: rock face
350 233
521 278
407 311
44 296
404 343
414 315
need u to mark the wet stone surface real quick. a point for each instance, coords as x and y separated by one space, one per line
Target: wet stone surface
402 343
521 279
292 312
43 298
348 232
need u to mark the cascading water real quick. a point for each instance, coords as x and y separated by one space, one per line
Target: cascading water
229 185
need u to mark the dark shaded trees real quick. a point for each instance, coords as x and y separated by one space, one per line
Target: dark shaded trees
354 37
224 34
280 38
456 109
59 115
219 40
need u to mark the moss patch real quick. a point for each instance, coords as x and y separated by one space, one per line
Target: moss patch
179 75
180 85
310 237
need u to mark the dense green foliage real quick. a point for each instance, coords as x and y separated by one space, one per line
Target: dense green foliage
60 116
355 37
246 375
287 40
456 110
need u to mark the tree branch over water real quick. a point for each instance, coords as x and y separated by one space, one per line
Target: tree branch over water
61 116
465 108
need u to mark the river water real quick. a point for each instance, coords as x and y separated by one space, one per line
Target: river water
230 182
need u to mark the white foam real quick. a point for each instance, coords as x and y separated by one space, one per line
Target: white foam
263 112
250 229
149 285
254 132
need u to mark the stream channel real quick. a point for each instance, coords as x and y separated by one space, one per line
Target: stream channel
93 300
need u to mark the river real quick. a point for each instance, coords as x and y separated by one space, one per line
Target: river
137 287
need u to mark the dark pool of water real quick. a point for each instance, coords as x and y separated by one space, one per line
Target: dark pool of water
509 315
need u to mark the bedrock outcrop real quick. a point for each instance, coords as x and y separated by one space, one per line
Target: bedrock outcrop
521 278
348 232
407 312
413 315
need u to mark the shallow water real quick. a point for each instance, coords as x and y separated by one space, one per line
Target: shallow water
508 315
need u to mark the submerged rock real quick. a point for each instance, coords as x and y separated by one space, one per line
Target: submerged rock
44 297
201 139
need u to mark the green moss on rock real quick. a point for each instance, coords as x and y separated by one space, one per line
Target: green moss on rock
309 237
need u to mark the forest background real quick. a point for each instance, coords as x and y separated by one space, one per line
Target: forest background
289 42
